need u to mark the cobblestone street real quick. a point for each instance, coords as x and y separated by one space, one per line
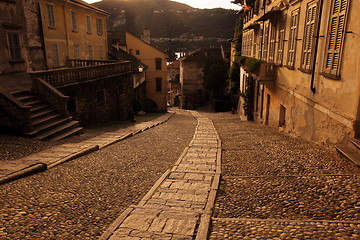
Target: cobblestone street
275 186
81 198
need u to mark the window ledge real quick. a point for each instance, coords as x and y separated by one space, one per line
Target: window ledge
52 27
289 67
308 71
17 61
75 30
331 76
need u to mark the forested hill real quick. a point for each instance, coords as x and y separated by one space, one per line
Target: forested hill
168 19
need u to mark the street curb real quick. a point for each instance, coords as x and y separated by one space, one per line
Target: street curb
36 168
117 140
73 156
110 230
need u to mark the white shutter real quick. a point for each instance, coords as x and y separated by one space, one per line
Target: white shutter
308 40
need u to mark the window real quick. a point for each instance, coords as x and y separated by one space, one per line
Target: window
99 26
14 46
88 24
137 52
91 54
76 51
55 54
272 43
335 36
101 49
51 15
158 84
294 21
73 20
100 96
158 63
281 41
309 40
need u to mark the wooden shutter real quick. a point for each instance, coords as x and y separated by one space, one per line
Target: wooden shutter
266 42
293 37
308 40
88 24
335 36
281 40
272 43
51 15
55 53
73 20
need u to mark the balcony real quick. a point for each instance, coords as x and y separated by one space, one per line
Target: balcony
266 72
81 71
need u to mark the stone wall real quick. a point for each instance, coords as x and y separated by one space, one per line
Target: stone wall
102 100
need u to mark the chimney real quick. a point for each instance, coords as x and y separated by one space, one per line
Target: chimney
145 36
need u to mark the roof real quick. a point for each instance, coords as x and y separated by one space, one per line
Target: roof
201 53
119 54
174 64
89 6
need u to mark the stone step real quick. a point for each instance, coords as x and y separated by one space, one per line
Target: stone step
45 119
49 124
26 98
43 112
33 102
57 130
355 142
67 133
349 153
38 107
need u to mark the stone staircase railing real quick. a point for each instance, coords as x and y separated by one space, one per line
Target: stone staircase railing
16 111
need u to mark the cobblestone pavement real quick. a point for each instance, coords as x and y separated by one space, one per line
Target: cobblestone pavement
275 186
180 204
81 198
14 169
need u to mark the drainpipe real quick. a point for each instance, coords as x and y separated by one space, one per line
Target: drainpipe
312 87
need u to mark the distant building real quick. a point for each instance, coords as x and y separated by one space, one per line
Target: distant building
308 80
174 86
193 92
156 74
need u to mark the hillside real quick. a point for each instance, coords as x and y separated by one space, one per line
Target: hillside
168 19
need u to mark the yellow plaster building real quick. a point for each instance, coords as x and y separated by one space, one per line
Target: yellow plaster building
73 29
156 74
308 81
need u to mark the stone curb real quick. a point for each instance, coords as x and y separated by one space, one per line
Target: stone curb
73 156
36 168
40 167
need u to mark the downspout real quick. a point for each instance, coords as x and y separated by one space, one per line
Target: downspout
317 37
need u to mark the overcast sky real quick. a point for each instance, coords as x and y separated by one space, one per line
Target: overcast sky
200 3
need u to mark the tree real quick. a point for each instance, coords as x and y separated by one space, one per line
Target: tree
215 74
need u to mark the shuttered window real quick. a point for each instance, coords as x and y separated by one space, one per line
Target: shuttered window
309 39
14 46
281 38
55 54
76 51
88 24
91 53
335 36
51 15
294 21
73 20
272 43
99 26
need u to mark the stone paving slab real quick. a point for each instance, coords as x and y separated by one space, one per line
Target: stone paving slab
12 170
233 228
180 204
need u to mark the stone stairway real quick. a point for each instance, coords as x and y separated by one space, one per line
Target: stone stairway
350 150
48 124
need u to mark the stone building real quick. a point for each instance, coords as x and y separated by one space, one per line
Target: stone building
307 80
174 86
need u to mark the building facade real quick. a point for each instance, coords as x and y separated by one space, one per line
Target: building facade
72 29
174 86
156 73
307 79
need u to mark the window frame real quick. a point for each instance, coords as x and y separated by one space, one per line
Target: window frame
76 51
91 52
158 83
51 15
88 24
158 64
55 54
281 40
74 27
99 26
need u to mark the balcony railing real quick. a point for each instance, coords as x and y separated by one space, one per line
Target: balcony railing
70 63
75 75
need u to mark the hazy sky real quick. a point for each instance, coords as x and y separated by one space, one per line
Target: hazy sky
200 3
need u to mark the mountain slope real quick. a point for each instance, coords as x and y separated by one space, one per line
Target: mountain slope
168 19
